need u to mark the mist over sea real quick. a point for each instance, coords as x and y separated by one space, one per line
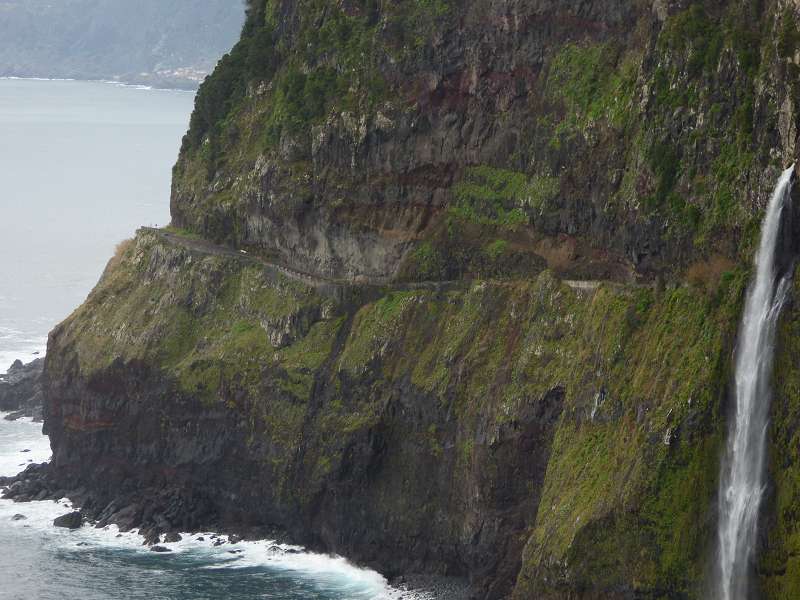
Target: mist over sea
82 165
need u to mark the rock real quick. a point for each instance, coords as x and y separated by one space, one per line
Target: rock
151 537
19 517
234 539
21 390
71 520
161 549
126 518
171 538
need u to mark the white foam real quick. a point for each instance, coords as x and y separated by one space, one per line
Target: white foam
17 344
135 86
324 571
22 443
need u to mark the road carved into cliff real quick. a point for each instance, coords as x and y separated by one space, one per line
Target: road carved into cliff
197 244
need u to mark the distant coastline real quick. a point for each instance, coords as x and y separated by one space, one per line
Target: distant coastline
119 83
173 87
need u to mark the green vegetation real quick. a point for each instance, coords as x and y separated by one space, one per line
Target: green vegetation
780 562
641 373
788 35
496 249
494 197
427 262
694 34
595 82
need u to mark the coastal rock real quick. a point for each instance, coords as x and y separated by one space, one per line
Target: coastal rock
72 520
159 549
21 390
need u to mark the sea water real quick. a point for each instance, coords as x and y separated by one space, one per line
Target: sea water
41 562
82 165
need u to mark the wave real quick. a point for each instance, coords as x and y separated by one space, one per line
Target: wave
135 86
24 348
204 551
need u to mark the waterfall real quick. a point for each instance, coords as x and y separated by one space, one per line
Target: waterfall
742 475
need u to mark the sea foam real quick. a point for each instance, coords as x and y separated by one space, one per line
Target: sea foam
206 551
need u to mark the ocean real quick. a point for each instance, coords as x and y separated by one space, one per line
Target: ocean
83 165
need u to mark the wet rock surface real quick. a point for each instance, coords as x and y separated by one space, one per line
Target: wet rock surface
21 390
72 520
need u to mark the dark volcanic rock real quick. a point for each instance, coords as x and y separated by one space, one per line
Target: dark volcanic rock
160 549
21 390
71 520
508 430
18 517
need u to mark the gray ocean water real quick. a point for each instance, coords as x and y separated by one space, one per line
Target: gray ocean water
81 166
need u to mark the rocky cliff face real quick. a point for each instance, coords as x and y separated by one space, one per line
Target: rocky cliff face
461 431
402 366
443 139
21 390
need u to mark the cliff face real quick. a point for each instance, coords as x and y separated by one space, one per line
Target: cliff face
442 139
495 256
431 429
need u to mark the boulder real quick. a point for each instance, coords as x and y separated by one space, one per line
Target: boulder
71 520
21 389
159 549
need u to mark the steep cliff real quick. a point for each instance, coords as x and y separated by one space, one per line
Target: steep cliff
452 288
426 429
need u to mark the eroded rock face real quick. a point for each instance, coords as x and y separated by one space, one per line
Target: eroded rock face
443 431
534 124
21 389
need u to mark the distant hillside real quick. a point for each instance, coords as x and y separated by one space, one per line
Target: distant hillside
157 42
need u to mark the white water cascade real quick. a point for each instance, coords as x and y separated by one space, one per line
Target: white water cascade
742 476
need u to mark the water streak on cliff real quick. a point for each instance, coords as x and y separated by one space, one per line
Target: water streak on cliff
742 476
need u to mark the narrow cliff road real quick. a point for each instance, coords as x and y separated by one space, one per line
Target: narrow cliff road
198 244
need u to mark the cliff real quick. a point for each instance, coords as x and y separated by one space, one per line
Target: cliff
452 287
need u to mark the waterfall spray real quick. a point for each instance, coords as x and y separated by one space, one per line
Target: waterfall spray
742 476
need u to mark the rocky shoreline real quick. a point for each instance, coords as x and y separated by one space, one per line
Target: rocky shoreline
128 513
159 519
21 390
